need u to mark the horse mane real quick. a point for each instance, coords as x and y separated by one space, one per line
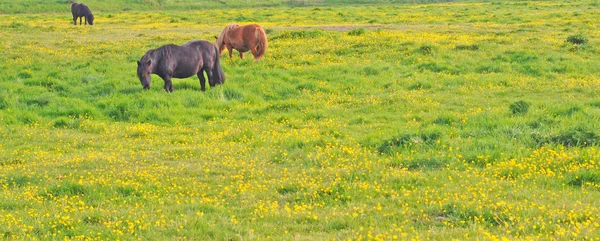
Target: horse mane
221 37
87 10
159 53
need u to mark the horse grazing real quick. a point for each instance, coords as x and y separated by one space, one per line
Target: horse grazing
243 38
80 10
172 61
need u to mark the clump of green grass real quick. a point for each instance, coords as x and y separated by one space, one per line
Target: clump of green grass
461 215
17 180
15 25
296 34
516 57
406 140
232 94
3 103
489 68
578 39
38 101
426 49
569 111
61 122
580 137
519 107
580 178
68 122
420 85
425 164
436 67
66 189
595 104
444 120
357 32
28 118
287 189
575 137
471 47
24 75
369 70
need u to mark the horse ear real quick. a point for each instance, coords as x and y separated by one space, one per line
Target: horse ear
216 37
149 61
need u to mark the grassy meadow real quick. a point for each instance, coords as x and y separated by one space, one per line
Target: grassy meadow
386 120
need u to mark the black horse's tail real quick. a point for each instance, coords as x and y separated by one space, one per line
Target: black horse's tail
217 71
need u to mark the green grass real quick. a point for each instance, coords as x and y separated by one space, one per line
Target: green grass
31 6
372 120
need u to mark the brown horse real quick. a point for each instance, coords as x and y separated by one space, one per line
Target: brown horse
80 10
243 38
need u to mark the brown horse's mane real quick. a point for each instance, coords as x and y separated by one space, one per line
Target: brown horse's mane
221 37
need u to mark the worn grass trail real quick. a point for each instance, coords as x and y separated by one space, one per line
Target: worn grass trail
433 121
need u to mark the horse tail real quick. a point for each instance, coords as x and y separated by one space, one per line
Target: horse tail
261 42
217 71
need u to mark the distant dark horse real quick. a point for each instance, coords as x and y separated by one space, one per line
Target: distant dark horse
172 61
80 10
243 38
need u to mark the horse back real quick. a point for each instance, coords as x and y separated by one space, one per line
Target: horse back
80 9
182 61
248 32
205 48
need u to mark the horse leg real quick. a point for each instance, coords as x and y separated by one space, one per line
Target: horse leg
242 55
80 20
75 20
168 84
230 49
85 21
209 74
202 80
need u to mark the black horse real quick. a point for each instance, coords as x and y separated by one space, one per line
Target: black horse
172 61
80 10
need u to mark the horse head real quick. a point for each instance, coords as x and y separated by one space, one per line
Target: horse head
90 19
222 36
144 69
220 43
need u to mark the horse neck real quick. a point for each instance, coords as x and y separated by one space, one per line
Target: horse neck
228 29
159 55
221 38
